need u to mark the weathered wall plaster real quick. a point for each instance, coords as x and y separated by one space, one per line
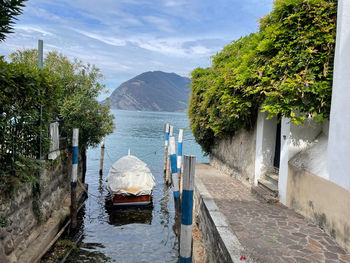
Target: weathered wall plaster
236 155
320 200
294 139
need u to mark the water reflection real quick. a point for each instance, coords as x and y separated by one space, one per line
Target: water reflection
119 216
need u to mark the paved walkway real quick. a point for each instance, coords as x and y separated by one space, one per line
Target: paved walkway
268 232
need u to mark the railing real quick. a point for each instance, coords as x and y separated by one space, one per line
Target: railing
21 138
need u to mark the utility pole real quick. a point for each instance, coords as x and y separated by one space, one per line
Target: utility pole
40 65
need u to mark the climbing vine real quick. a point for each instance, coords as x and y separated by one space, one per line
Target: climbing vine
286 69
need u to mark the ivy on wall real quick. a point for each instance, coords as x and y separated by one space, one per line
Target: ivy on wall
285 68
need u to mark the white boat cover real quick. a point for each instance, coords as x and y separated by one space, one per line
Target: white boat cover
130 176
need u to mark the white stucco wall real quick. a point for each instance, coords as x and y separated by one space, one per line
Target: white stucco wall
265 145
339 129
313 159
303 135
295 139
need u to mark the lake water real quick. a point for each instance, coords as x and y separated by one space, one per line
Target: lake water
132 235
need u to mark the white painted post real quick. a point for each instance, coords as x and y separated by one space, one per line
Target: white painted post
74 177
166 131
102 156
54 150
175 178
187 209
283 170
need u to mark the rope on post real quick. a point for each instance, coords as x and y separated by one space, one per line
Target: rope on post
166 130
187 209
75 143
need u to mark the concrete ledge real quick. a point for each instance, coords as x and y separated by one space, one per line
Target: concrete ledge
221 244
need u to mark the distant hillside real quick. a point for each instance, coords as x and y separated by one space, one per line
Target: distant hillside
152 91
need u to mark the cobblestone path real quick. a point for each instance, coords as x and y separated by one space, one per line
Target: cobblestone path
268 232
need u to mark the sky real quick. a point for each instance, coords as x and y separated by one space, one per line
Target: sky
125 38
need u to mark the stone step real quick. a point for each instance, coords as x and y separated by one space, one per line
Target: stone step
269 186
266 195
272 177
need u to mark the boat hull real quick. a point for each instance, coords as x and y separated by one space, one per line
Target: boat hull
131 200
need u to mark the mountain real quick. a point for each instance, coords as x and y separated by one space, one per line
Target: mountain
152 91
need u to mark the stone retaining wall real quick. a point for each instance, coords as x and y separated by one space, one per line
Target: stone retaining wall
26 217
236 155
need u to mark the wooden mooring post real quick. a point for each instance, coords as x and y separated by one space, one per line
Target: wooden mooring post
187 209
102 156
74 205
166 131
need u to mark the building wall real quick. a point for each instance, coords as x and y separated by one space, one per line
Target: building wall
294 139
322 201
318 178
236 155
311 193
339 130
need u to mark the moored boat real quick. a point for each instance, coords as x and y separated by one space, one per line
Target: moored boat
130 182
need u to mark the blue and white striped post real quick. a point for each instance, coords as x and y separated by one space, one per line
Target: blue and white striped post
168 176
166 130
73 184
187 209
172 155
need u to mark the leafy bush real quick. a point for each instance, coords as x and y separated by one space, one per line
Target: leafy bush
284 69
65 90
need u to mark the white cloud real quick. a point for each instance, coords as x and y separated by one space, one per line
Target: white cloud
105 39
160 23
200 50
172 3
32 29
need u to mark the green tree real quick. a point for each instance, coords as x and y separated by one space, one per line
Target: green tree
79 87
9 9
